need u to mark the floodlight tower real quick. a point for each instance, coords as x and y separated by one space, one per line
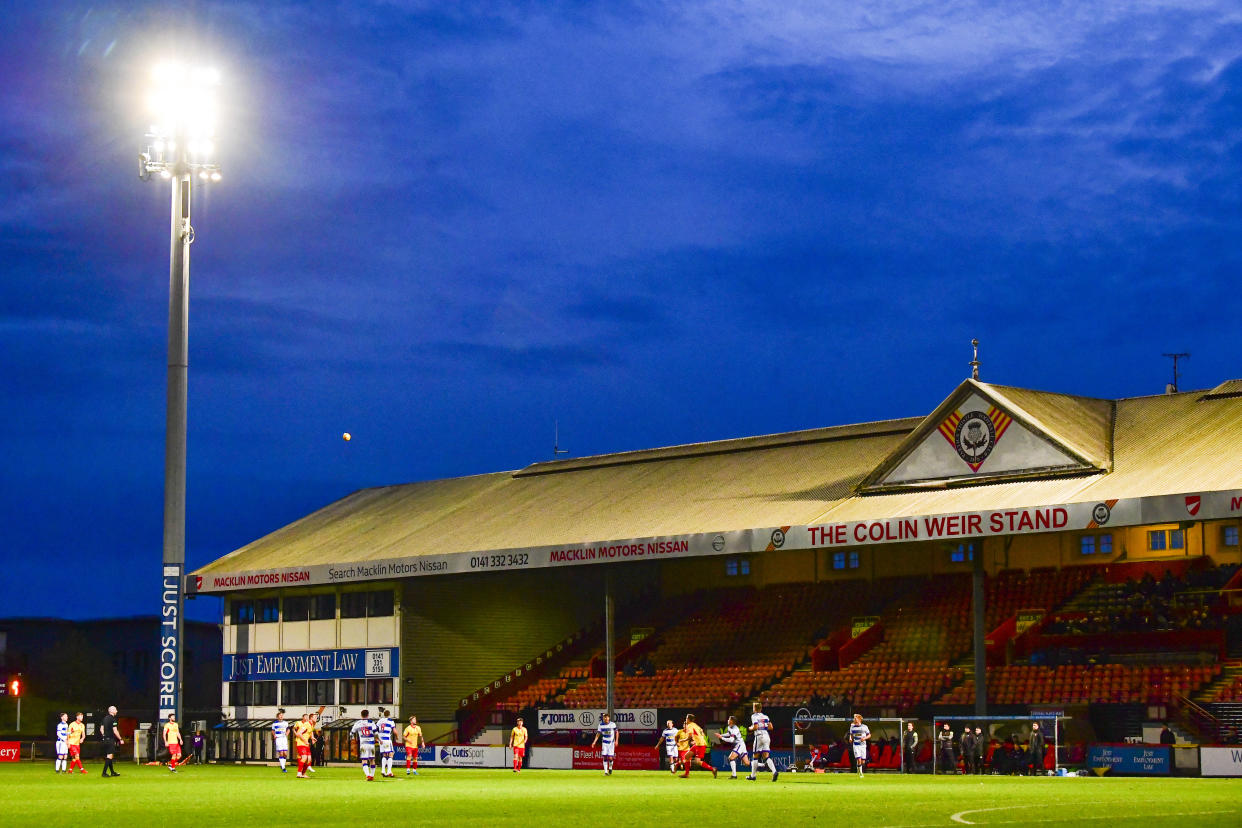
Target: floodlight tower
179 145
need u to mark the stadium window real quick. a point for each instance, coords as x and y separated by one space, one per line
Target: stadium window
379 604
737 566
838 560
1177 539
853 560
1106 544
242 612
353 691
1229 536
267 610
379 691
265 692
293 692
354 605
1156 540
323 607
963 553
241 693
321 691
1086 545
297 608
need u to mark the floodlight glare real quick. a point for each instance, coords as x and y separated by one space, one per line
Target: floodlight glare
185 111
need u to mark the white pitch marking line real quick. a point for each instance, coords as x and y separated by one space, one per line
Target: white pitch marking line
960 816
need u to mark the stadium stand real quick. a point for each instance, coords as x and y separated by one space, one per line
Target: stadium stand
1087 684
734 643
923 635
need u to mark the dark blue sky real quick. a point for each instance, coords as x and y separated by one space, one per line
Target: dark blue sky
444 225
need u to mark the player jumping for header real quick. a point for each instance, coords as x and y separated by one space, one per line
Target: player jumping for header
762 726
859 736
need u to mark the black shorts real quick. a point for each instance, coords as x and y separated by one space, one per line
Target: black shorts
109 746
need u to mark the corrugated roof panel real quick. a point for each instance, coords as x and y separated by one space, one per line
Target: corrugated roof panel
1164 444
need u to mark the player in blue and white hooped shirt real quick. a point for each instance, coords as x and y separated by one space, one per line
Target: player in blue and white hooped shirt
606 735
364 731
62 744
668 738
732 738
383 729
280 738
761 725
859 736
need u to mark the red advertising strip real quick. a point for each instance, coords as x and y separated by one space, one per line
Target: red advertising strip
12 751
628 757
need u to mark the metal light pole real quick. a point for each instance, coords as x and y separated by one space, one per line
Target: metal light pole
178 146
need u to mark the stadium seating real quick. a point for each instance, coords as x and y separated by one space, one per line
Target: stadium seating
1087 684
873 683
734 643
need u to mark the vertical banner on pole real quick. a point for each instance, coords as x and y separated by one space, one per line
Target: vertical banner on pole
170 641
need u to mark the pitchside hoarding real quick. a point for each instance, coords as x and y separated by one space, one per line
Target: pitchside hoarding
628 757
1220 761
312 664
1137 759
629 718
1084 516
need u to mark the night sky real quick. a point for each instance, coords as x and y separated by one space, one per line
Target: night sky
444 226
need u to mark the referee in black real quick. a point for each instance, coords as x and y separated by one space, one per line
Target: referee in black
110 733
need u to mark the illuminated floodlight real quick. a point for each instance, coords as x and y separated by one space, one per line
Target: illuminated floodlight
184 108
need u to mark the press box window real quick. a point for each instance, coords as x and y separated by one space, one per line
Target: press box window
321 691
242 612
737 566
963 553
1156 540
366 604
845 560
322 607
267 610
1229 535
293 693
1095 544
1177 539
247 693
297 608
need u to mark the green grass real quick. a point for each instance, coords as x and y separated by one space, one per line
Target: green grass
30 794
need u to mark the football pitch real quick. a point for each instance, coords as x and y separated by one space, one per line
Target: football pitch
32 794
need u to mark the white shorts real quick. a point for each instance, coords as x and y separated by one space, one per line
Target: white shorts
62 748
366 751
763 741
282 744
608 750
671 751
385 748
860 752
738 748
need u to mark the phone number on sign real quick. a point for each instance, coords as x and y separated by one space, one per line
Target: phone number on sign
489 561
